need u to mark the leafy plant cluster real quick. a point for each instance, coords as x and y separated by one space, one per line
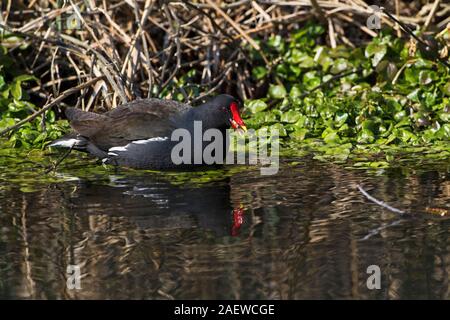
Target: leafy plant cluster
380 96
15 106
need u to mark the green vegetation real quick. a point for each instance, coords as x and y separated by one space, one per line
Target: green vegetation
353 103
15 106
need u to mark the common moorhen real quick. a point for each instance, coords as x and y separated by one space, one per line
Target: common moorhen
138 134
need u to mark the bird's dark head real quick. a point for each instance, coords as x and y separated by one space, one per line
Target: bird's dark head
225 109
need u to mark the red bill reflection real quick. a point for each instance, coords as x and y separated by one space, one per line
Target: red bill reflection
238 220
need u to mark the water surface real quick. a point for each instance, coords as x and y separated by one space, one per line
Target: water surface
307 232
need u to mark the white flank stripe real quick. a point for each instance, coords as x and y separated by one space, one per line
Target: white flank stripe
113 154
150 140
125 148
118 148
69 143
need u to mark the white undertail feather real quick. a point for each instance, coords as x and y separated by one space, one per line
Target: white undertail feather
69 143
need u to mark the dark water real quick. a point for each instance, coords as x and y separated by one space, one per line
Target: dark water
306 233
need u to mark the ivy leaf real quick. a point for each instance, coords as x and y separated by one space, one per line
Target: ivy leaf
255 106
339 66
366 136
427 77
377 51
24 78
446 89
340 118
281 130
290 117
276 43
331 138
277 91
259 73
16 90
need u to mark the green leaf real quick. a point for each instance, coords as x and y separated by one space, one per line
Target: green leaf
295 92
400 115
339 66
6 122
405 135
301 58
414 95
430 99
259 73
290 117
427 77
444 116
24 78
340 118
276 43
446 89
366 136
281 130
299 133
311 80
16 90
331 138
255 106
277 91
377 51
412 75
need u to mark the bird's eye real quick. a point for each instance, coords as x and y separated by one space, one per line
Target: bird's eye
226 110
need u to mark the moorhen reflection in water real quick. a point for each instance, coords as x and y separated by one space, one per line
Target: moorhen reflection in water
139 134
154 204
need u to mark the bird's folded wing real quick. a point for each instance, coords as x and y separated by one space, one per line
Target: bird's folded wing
157 107
137 120
85 123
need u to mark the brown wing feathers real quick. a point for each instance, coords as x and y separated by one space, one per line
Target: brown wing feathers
85 123
140 119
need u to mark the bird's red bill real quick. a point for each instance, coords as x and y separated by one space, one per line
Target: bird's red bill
236 121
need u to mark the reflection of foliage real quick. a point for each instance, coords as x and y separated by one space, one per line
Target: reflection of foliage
391 99
14 106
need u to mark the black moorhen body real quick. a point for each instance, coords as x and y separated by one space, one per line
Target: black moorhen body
138 134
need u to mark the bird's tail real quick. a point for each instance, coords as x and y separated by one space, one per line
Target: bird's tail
71 140
80 143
